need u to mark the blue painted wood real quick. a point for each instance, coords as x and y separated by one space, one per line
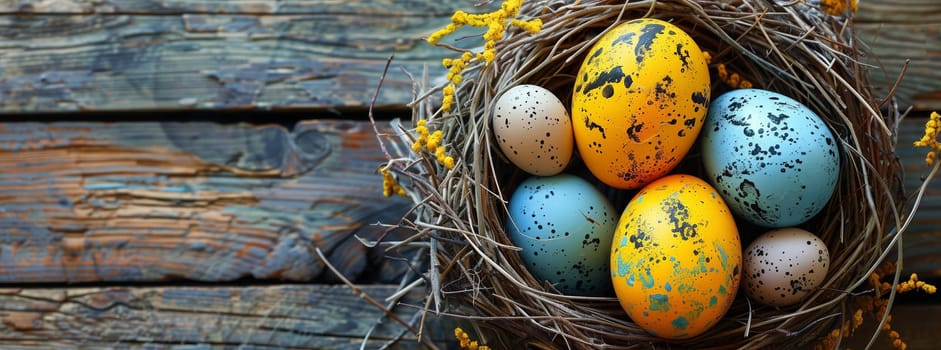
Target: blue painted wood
83 202
127 55
288 316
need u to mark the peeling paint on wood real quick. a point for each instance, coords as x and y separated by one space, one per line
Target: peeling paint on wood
267 54
281 7
897 31
86 202
283 317
183 55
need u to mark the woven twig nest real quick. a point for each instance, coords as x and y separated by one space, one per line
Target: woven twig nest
791 47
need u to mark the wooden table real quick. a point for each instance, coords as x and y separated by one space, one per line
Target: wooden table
169 168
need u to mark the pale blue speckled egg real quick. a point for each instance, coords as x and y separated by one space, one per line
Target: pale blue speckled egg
563 226
773 159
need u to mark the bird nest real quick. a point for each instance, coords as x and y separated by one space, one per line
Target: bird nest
447 161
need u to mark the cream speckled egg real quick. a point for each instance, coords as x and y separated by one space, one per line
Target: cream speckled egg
533 129
783 266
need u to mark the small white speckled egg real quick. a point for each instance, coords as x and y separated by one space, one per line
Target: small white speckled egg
533 129
783 266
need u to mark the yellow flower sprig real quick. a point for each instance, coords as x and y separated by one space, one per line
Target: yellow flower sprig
427 140
389 185
838 7
914 284
733 79
930 140
876 305
849 326
431 141
496 23
465 341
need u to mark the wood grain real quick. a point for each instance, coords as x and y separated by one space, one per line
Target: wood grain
124 55
82 202
258 7
922 240
285 316
59 56
897 31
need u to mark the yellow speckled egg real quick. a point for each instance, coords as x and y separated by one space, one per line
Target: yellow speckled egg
639 101
676 257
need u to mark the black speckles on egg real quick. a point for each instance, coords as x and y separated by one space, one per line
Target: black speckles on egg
674 245
781 267
643 77
593 56
634 130
699 98
525 111
777 118
678 214
615 75
779 146
647 35
639 238
626 39
748 132
683 54
747 189
563 225
595 126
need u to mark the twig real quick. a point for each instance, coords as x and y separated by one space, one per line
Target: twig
359 293
898 81
372 119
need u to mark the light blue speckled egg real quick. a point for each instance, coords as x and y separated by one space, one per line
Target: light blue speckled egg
564 226
774 160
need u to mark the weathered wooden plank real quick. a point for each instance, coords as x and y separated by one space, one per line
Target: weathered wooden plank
107 63
922 240
898 31
165 7
269 317
182 55
261 54
149 201
244 317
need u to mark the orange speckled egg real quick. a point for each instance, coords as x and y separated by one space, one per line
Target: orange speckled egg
639 101
676 257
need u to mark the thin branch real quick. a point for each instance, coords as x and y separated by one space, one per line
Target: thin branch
359 293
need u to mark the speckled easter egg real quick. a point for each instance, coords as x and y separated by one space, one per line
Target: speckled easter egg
783 266
533 129
773 159
676 257
563 226
639 101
